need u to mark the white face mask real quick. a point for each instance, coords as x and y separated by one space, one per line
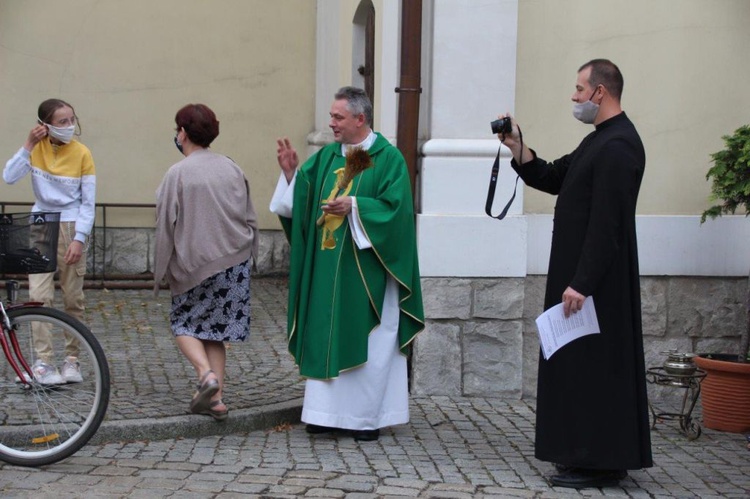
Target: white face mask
63 134
586 111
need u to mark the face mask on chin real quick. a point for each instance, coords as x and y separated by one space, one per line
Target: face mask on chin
63 134
586 111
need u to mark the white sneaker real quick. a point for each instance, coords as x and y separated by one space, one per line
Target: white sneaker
71 370
46 374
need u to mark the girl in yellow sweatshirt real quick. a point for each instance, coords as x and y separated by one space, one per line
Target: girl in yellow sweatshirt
63 180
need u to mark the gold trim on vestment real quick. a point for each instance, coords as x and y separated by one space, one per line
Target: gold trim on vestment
359 219
333 301
348 232
293 330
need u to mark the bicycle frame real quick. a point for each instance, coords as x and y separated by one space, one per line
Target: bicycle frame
8 337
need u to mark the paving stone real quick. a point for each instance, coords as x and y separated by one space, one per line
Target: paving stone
246 488
160 483
113 471
349 485
263 479
451 495
385 490
453 487
407 483
195 484
177 466
286 490
164 474
319 492
80 480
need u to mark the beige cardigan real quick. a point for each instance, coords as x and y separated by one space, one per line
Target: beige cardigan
205 221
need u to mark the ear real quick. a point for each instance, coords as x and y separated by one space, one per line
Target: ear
604 92
361 120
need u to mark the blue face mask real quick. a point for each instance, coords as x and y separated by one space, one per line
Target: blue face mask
177 143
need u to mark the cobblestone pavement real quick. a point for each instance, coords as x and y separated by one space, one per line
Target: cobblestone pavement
152 379
453 447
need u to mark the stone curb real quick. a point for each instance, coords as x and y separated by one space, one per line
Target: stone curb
193 426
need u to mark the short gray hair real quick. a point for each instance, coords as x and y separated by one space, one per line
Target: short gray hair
357 101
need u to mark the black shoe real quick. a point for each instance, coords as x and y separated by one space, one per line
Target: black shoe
563 468
316 429
582 479
365 435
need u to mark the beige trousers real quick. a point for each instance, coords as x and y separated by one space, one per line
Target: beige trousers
42 289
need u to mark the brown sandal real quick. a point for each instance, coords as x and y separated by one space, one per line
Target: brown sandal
217 415
207 388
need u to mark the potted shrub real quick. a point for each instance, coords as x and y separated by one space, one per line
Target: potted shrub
725 393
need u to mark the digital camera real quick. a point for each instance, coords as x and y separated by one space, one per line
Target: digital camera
502 125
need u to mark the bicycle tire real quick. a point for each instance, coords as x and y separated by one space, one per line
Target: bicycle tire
43 424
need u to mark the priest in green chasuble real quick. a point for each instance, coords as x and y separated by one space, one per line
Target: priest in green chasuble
355 302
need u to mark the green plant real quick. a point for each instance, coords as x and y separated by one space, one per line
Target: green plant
730 176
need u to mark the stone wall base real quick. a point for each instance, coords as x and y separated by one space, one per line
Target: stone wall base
480 336
130 251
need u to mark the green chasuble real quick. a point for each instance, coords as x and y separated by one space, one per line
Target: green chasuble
336 290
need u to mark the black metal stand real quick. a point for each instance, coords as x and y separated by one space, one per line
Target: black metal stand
691 384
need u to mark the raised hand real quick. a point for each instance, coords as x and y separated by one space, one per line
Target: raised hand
35 135
287 158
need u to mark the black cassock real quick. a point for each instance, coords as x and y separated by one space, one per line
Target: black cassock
592 407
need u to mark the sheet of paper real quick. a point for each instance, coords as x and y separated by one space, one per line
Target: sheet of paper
556 331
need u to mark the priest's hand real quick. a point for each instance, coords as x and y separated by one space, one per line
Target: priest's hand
572 301
287 158
340 206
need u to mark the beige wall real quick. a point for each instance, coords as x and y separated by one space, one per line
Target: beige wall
127 67
686 81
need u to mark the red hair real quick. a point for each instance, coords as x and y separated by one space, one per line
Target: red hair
199 122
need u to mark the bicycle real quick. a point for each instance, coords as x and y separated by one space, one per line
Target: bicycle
43 424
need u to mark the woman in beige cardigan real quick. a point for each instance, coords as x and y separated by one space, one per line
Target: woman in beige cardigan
206 241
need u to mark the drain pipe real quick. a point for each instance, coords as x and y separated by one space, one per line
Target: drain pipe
409 86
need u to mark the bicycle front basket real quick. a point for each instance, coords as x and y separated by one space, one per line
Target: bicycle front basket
28 242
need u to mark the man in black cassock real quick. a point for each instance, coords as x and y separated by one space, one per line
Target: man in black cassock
592 408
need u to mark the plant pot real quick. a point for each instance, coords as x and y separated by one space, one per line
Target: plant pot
725 392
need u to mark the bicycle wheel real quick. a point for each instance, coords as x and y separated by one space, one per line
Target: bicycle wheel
42 424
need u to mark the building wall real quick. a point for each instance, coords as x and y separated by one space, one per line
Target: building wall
270 69
127 67
683 90
684 85
484 279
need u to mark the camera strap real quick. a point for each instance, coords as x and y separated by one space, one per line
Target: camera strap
491 190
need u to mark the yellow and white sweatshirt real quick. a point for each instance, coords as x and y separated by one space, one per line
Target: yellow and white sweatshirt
63 179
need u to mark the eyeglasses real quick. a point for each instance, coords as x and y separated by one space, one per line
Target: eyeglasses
61 123
65 122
